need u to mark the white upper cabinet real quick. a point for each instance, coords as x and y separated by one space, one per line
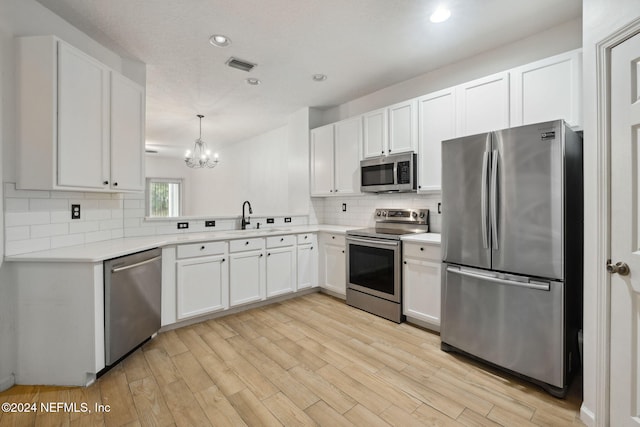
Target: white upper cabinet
483 104
376 133
80 124
127 130
335 158
348 139
437 122
83 119
547 90
391 130
403 127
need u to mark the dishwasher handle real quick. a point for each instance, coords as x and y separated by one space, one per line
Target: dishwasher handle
137 264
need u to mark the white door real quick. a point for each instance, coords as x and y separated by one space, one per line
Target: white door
83 119
403 127
307 266
202 285
483 105
127 134
348 139
281 271
246 277
421 287
625 233
322 161
335 269
376 134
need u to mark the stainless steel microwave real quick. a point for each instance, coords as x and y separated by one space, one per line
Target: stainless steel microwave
388 174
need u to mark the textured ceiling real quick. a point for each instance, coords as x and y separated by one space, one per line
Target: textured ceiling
362 45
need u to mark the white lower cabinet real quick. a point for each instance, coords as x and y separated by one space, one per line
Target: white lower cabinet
246 272
202 285
421 283
334 271
307 261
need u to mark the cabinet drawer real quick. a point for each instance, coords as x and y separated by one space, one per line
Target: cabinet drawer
306 238
201 249
280 241
246 245
426 251
334 239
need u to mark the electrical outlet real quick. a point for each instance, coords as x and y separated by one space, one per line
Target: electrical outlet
270 220
75 211
209 223
344 207
183 225
287 219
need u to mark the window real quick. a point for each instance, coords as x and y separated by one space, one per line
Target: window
164 197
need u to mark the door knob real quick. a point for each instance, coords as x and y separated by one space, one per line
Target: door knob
619 267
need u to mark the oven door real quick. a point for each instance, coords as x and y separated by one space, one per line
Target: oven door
373 267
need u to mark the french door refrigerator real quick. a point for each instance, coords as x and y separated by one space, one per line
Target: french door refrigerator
512 250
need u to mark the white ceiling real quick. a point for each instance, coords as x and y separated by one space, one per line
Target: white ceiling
362 45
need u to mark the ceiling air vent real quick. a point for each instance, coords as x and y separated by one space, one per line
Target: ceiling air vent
240 64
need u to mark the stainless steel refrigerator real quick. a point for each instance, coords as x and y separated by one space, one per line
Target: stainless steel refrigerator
512 224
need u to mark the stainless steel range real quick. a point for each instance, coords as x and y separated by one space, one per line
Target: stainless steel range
374 261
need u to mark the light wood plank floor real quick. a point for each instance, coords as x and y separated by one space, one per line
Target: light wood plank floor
311 360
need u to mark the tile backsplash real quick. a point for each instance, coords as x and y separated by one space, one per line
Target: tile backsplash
360 209
41 220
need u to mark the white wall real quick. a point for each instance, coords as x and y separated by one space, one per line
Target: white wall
600 19
270 170
559 39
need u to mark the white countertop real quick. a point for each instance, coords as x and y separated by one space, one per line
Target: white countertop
433 238
100 251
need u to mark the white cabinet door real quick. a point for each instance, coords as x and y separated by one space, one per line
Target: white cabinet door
483 104
246 277
307 266
127 134
83 119
202 285
322 161
403 127
421 290
335 269
348 140
376 133
281 271
437 122
547 90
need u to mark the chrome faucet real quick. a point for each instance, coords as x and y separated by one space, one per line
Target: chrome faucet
245 219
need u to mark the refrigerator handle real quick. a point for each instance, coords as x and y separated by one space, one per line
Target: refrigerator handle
483 200
537 285
494 199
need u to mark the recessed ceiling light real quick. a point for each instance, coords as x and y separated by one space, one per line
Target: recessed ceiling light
441 14
319 77
253 81
220 40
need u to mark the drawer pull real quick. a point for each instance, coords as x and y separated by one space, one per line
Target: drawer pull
269 254
261 255
306 237
223 259
333 237
422 249
282 239
246 243
202 248
405 262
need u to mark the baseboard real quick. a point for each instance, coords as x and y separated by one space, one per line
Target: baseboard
7 383
587 417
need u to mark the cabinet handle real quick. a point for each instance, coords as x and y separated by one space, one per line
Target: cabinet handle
261 255
382 152
311 247
105 182
419 186
282 239
115 184
223 259
202 248
269 254
246 243
342 251
330 191
306 237
336 190
422 249
333 237
404 262
389 150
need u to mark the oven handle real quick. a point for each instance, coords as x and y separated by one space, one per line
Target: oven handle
373 242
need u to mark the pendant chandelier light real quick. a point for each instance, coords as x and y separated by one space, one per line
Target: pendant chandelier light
200 157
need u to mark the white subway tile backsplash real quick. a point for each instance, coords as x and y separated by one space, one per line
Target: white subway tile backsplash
48 204
134 213
16 205
24 246
60 216
67 195
97 214
117 233
11 191
111 224
12 219
111 204
97 236
48 230
132 204
83 227
68 240
17 233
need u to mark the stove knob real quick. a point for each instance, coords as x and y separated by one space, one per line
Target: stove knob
414 214
384 213
378 213
421 214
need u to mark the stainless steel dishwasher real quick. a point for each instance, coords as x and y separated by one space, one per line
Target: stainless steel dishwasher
131 301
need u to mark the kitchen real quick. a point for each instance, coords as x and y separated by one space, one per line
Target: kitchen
599 20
